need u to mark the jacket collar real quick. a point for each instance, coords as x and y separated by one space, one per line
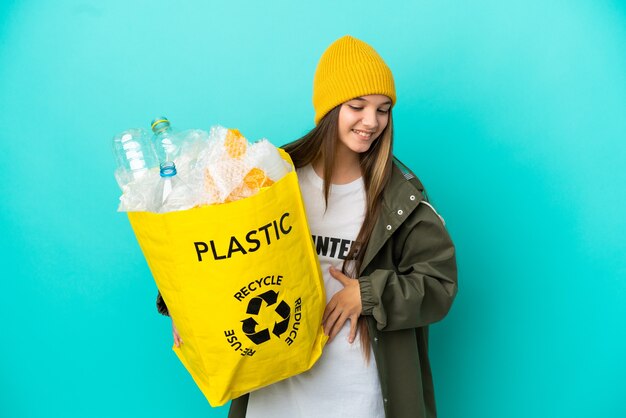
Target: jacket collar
400 198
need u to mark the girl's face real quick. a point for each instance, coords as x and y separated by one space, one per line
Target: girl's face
361 121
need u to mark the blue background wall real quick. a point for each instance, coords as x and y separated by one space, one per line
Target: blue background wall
513 113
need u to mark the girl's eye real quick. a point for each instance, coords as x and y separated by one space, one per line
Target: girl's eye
357 108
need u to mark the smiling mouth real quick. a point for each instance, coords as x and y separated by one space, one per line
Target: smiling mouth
363 134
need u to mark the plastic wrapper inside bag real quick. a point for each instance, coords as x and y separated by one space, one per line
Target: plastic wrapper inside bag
214 167
231 168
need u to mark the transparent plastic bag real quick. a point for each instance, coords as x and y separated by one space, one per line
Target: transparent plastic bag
219 166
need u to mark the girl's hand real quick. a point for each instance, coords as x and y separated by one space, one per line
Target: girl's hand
344 305
177 340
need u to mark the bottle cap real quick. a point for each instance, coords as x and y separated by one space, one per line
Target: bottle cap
168 169
160 123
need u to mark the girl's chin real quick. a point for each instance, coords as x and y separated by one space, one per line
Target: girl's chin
360 148
356 145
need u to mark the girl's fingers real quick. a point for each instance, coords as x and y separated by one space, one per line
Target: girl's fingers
330 322
329 308
177 340
338 325
353 322
327 311
337 274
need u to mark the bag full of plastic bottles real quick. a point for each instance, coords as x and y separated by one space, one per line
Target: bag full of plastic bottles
222 225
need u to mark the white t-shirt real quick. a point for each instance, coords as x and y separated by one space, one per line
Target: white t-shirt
341 383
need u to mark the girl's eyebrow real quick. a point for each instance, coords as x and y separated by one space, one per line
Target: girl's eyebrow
363 100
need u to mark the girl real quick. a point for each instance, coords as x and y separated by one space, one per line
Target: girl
389 264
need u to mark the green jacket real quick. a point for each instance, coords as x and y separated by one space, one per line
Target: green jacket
408 280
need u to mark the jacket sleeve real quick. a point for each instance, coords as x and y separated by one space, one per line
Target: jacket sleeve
423 284
161 306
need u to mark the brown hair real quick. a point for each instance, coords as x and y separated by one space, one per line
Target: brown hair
376 162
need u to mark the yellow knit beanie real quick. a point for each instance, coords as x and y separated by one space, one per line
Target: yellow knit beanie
349 68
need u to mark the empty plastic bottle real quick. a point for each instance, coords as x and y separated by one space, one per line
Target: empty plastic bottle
171 193
166 141
134 155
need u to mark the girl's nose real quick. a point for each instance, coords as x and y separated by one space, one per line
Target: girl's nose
370 120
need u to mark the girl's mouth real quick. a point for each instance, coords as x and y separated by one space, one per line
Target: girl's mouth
363 134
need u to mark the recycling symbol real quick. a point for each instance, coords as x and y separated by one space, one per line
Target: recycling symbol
254 307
